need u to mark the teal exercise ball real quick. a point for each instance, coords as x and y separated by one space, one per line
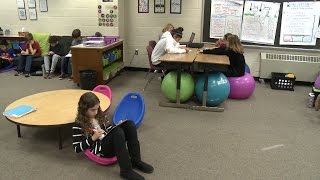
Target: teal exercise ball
169 86
218 88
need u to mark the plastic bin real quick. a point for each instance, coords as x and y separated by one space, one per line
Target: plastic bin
280 81
88 79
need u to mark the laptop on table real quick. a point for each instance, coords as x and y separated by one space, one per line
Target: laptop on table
191 44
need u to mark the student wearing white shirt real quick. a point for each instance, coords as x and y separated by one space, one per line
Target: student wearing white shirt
169 43
168 28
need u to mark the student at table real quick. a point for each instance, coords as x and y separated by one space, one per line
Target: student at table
167 29
169 43
234 51
223 41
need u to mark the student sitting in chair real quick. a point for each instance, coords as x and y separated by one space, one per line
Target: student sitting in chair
234 51
66 62
167 29
56 51
169 43
31 50
6 55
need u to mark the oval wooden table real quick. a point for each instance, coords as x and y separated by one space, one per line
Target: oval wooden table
54 109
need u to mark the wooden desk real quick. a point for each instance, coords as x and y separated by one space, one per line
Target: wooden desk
180 58
194 56
54 109
84 58
13 38
212 59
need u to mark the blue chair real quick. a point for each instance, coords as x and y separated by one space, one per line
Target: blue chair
131 107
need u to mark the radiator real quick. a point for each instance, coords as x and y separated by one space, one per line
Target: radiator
305 68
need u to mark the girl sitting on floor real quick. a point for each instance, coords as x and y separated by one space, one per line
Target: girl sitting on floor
114 143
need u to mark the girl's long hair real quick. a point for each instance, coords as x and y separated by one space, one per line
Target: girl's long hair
89 100
234 44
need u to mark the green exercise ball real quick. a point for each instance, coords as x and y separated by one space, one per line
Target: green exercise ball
169 86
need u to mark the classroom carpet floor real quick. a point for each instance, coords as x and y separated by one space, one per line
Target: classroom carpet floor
271 135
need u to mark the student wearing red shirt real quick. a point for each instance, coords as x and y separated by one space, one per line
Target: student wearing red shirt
31 51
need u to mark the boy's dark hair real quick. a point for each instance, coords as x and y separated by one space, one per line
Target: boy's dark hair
53 39
98 34
29 37
177 32
4 43
76 33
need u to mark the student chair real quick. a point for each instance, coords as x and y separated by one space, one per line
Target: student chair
131 107
100 160
153 68
152 44
104 89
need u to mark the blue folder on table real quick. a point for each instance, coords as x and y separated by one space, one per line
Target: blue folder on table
19 111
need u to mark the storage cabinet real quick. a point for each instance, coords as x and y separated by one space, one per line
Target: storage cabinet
106 60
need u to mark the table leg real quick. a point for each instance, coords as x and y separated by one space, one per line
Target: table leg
178 83
18 130
60 138
205 88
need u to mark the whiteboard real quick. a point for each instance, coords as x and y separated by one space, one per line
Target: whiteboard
259 24
300 22
226 17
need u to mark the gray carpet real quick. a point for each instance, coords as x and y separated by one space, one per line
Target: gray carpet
181 144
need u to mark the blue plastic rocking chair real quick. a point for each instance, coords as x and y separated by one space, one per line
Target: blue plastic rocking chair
131 107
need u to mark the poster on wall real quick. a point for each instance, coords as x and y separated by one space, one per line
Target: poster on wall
159 6
299 23
107 13
143 6
259 24
32 14
226 17
32 3
20 4
175 6
43 5
22 14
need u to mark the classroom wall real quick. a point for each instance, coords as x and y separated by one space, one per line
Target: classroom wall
140 27
135 28
62 17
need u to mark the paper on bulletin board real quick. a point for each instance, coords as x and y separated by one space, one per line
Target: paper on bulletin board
226 17
299 24
259 24
20 4
317 35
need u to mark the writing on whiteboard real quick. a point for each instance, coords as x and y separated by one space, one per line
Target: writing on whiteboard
226 17
260 22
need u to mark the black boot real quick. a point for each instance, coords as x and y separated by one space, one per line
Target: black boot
126 166
134 151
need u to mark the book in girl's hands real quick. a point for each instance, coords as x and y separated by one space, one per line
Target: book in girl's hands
113 127
108 130
19 111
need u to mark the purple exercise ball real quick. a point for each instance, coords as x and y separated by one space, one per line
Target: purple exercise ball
317 83
241 87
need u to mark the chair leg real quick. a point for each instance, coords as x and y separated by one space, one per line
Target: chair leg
147 73
154 74
317 103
